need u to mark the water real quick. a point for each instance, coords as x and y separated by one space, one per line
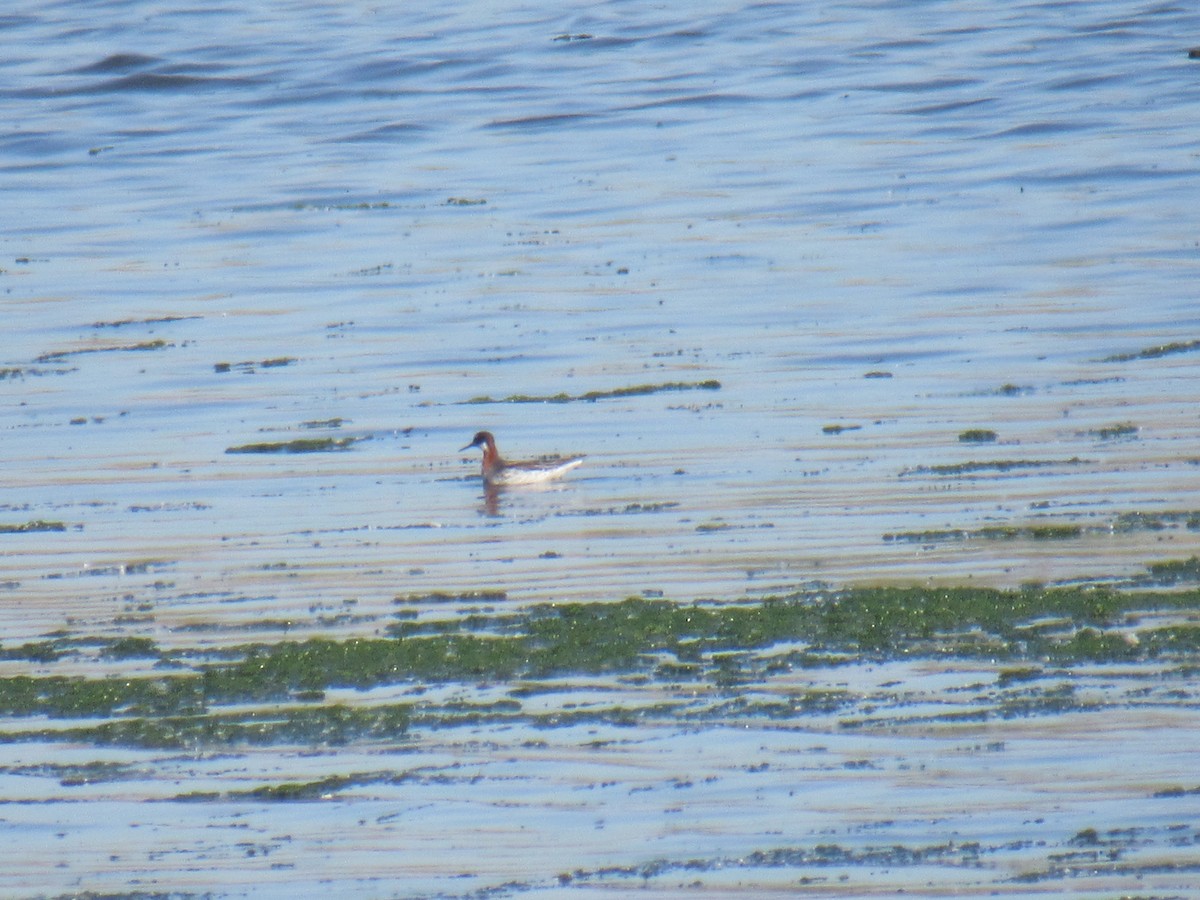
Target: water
784 203
907 220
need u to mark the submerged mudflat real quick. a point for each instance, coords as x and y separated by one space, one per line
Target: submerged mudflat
961 741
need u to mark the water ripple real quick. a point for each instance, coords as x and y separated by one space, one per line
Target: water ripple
878 227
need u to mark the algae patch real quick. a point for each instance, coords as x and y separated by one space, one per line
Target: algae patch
638 390
299 445
154 320
249 367
996 465
1156 352
313 790
977 436
1114 432
1159 573
1157 521
140 347
701 661
818 858
1175 571
35 525
991 533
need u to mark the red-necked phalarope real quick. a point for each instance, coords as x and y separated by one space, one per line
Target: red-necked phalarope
498 471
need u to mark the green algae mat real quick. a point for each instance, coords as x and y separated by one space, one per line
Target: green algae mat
294 691
931 742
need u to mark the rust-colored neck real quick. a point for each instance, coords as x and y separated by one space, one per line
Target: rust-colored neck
491 456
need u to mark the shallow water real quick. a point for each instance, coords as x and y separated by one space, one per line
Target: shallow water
884 791
877 226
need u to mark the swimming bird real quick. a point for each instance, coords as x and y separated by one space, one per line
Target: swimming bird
499 471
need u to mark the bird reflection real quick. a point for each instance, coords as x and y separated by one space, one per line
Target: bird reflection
491 500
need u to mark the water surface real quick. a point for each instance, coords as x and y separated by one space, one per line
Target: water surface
878 226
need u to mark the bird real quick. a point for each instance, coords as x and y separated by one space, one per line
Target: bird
499 471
